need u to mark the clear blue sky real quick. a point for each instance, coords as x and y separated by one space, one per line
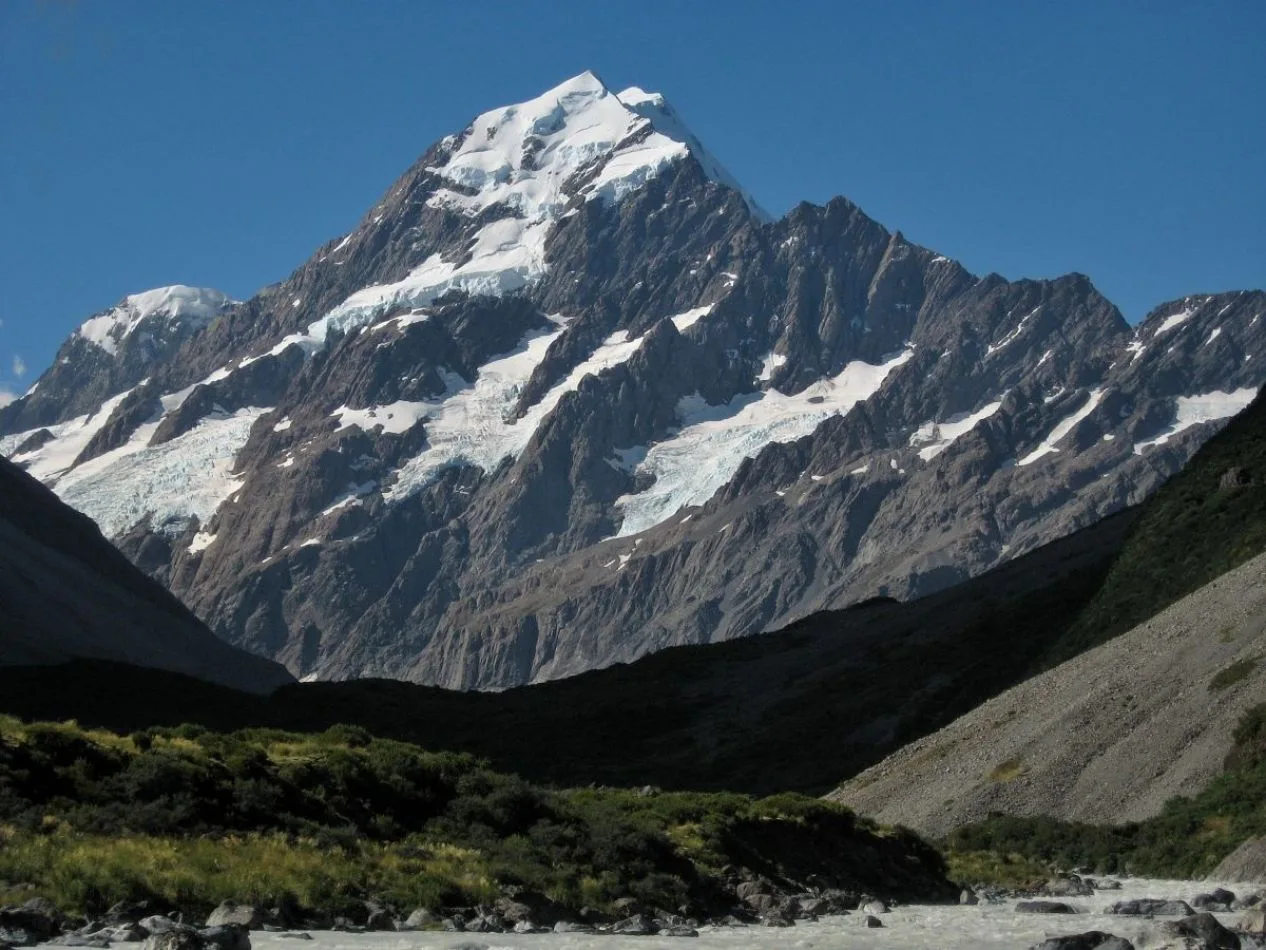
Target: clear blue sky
150 143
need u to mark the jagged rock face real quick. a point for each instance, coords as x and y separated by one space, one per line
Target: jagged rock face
566 396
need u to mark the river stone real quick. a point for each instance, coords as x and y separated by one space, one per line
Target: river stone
1043 907
181 938
1196 932
1091 940
1151 906
231 912
871 921
1253 922
227 937
572 927
639 925
421 919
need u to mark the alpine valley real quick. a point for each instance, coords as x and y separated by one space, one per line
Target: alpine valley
567 396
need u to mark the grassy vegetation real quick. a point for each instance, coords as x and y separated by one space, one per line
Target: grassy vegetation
1007 771
1187 839
1003 870
192 817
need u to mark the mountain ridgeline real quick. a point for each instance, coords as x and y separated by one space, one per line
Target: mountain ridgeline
567 396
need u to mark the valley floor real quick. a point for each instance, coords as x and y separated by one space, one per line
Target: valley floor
913 927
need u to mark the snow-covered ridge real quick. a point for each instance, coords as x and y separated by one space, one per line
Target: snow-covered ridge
714 440
521 158
1204 407
199 305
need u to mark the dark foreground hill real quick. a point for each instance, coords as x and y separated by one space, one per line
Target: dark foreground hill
66 592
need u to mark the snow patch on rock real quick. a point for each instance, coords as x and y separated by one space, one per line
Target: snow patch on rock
714 440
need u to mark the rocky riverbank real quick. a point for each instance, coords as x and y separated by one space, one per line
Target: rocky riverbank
1067 913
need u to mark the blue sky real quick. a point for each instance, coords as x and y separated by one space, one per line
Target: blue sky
150 143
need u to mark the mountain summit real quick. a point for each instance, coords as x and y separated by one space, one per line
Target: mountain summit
565 396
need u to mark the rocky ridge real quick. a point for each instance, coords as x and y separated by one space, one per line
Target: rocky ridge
564 385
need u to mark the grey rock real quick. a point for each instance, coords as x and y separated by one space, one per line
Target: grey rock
159 924
678 930
1043 907
1245 863
968 897
1091 940
639 925
776 919
873 907
572 927
1218 899
420 919
233 913
1195 932
870 920
1067 886
380 920
177 939
226 937
1252 922
1151 906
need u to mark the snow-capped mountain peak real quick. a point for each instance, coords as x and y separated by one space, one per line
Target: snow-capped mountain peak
198 305
521 168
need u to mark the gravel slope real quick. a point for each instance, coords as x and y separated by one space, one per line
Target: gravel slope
1105 737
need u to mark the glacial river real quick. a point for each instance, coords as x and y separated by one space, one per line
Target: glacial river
912 927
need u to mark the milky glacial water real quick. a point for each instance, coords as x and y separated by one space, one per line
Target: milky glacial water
913 927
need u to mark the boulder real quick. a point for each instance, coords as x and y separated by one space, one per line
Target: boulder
159 924
967 897
679 930
380 920
873 907
776 919
1219 900
181 938
1069 885
243 915
421 919
1091 940
1245 863
125 933
750 889
1044 907
870 920
1252 922
572 927
226 937
639 925
1197 932
129 912
34 922
812 906
1247 901
1151 907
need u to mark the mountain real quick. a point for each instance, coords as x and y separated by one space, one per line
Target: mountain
67 594
1106 737
1111 734
567 396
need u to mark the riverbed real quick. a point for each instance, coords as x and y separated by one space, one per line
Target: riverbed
911 927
